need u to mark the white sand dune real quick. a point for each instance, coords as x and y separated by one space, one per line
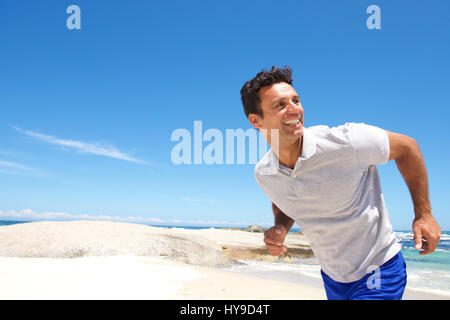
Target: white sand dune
94 238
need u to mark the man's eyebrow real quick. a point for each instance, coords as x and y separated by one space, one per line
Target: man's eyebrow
280 99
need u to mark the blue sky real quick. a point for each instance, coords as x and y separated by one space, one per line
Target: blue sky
87 115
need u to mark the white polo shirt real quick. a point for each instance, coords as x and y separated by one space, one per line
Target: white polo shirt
334 195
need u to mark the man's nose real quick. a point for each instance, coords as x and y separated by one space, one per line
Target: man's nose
294 107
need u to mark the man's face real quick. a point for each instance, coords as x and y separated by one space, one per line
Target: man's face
282 110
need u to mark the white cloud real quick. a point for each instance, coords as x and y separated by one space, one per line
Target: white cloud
9 167
10 153
83 147
30 215
14 165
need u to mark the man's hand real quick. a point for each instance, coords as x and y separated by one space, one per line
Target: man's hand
427 234
274 239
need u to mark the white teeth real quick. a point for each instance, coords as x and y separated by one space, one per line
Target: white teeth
292 122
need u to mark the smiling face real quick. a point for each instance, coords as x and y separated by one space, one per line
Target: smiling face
282 110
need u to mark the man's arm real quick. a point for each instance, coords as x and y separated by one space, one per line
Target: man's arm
274 237
281 219
408 158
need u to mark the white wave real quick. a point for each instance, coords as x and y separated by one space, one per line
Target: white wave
410 235
442 250
440 292
404 235
445 236
430 281
306 267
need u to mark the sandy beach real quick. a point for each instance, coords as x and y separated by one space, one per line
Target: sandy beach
112 260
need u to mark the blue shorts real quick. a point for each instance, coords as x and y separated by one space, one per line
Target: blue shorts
384 283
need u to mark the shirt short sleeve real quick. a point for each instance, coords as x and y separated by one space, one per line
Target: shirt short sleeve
370 143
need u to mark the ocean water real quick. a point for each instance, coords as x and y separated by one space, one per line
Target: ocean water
7 223
428 274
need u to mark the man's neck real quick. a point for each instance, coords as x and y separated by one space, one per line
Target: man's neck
290 152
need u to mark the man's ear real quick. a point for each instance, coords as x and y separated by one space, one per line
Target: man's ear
255 120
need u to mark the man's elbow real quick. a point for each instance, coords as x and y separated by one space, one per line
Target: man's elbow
409 147
412 145
401 145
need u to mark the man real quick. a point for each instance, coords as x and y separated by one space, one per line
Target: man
325 179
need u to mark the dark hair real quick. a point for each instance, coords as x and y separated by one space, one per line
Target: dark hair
250 90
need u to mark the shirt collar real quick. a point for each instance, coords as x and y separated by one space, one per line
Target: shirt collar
309 144
308 150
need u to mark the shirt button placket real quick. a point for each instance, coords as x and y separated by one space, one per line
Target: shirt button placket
295 184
